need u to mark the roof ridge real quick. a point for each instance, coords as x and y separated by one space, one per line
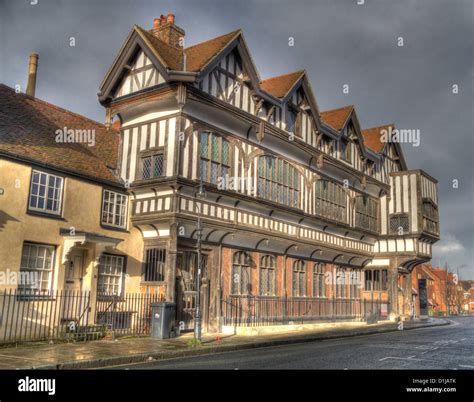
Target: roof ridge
339 108
285 75
70 112
147 32
383 125
215 38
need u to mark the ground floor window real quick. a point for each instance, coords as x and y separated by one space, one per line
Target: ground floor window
110 279
299 278
340 282
241 281
376 279
154 267
319 288
267 275
36 268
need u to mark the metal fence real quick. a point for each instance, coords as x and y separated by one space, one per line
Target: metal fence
125 315
72 315
26 316
262 310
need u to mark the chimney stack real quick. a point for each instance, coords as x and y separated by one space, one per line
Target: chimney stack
32 69
165 29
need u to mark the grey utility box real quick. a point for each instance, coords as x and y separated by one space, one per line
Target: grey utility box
162 320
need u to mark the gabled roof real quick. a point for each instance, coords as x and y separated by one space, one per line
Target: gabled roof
282 85
372 137
337 118
201 54
171 56
28 130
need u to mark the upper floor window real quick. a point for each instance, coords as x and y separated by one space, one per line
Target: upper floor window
366 213
299 278
278 181
345 149
152 165
215 157
331 200
399 224
241 281
267 275
291 119
45 193
430 216
319 288
114 209
36 268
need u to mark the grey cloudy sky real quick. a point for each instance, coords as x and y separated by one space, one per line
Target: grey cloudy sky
337 41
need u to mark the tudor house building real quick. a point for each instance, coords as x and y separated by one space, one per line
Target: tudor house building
292 193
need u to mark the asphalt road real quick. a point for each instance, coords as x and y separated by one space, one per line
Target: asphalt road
444 347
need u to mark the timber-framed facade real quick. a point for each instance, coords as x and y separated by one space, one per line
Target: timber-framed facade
294 196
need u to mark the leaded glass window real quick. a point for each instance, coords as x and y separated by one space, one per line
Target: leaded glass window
267 275
330 200
366 213
319 288
241 280
278 181
299 278
215 157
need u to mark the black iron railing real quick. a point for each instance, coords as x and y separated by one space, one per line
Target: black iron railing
33 316
128 314
263 310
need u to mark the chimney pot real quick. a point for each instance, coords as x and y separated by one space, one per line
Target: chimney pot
170 18
32 70
163 19
156 23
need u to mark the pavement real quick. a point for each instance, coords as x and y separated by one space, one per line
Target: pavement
448 347
135 350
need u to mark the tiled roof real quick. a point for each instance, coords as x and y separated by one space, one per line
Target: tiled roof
198 56
336 117
172 56
28 130
281 85
372 137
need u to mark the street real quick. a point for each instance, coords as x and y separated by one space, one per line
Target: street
445 347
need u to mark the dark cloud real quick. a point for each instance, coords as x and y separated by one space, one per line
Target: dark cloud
337 42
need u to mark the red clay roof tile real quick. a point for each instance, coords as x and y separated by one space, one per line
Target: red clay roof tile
28 129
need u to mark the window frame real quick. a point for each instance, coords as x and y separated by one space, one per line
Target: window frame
209 159
363 218
32 291
299 271
278 181
121 288
125 209
238 265
60 201
330 195
160 260
150 153
319 283
267 267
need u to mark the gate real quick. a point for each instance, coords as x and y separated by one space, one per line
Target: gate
186 291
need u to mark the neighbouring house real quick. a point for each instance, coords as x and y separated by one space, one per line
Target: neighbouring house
306 215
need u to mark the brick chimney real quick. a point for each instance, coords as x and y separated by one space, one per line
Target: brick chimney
165 29
32 70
